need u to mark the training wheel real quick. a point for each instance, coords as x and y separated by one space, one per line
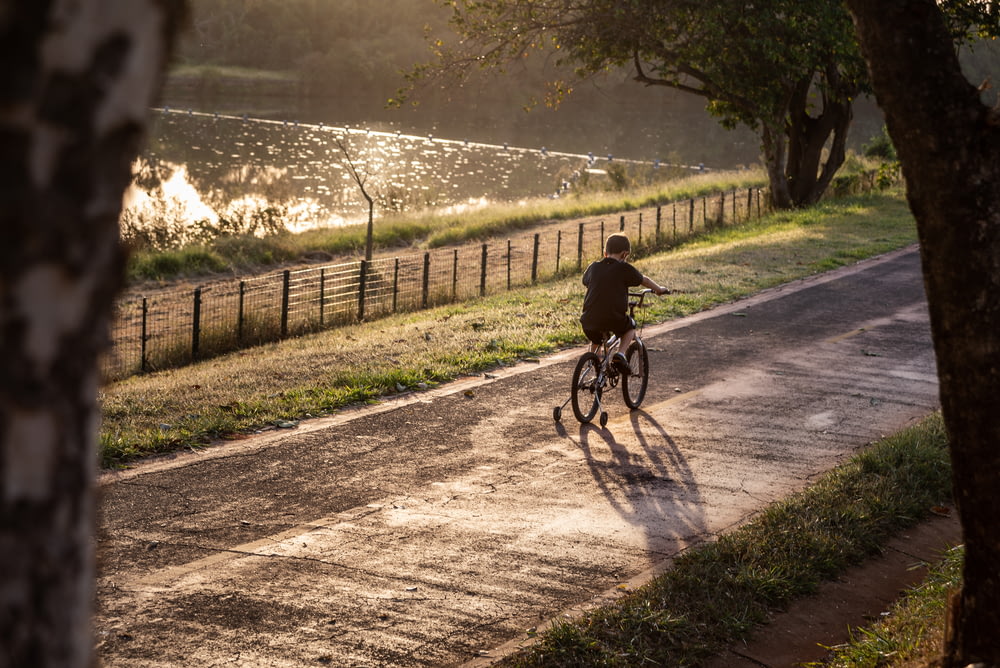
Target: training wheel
557 413
604 419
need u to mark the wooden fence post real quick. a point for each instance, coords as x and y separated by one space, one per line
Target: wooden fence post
362 283
621 224
426 280
196 325
579 249
142 341
285 285
454 276
482 271
534 261
508 265
659 215
691 216
240 316
558 248
395 285
322 294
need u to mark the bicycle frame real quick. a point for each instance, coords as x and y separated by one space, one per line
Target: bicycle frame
607 374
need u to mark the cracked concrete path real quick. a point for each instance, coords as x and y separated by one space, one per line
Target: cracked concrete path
439 527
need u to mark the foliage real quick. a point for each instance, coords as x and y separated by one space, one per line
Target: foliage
880 146
786 69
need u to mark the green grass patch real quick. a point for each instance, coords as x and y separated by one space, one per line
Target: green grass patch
913 631
304 376
719 593
420 229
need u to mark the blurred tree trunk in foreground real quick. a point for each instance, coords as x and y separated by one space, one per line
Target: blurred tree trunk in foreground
79 78
948 142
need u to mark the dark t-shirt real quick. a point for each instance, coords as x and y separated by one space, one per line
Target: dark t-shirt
605 307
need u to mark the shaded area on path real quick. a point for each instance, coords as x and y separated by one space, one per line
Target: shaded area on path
441 525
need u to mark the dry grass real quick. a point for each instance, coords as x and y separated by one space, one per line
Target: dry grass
317 374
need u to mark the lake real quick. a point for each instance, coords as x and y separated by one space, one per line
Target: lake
234 157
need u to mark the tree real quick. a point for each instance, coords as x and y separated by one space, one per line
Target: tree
79 79
361 175
948 141
788 70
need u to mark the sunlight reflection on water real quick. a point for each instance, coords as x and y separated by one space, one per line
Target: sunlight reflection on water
206 165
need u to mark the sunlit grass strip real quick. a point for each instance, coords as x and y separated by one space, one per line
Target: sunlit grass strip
306 376
913 631
719 593
426 229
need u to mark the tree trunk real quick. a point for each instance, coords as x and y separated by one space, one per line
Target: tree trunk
773 145
79 81
948 143
809 135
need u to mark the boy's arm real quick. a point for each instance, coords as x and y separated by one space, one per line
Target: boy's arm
647 282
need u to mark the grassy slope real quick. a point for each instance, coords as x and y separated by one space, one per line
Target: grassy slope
317 374
676 620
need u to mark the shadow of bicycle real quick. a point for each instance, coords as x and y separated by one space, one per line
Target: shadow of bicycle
646 479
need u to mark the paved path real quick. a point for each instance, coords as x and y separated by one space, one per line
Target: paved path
441 526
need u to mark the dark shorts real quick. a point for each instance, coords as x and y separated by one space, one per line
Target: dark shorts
596 336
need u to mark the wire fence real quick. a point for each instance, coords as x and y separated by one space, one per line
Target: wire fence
175 328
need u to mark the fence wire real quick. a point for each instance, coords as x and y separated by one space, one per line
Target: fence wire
175 328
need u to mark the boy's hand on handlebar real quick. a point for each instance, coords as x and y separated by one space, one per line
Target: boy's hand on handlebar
663 291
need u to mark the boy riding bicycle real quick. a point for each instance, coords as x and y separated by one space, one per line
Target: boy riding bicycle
605 307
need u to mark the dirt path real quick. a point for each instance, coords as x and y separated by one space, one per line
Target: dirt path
437 527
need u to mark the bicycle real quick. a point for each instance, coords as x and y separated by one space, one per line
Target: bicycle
595 373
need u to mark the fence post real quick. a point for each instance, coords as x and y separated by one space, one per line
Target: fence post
704 211
454 276
286 280
508 265
534 261
395 285
142 341
659 215
579 249
362 281
691 216
322 294
722 209
621 224
749 203
426 280
640 228
482 272
196 324
734 207
673 208
600 252
558 248
240 314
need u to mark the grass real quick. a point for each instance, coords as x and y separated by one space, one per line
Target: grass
422 229
714 595
717 594
317 374
912 634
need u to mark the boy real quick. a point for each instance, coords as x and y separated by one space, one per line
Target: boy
605 308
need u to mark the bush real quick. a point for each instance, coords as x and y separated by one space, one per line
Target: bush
881 147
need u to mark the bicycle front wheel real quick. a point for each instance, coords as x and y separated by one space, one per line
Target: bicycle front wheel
586 397
634 382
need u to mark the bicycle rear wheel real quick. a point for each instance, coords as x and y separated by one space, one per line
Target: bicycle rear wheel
586 396
634 382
